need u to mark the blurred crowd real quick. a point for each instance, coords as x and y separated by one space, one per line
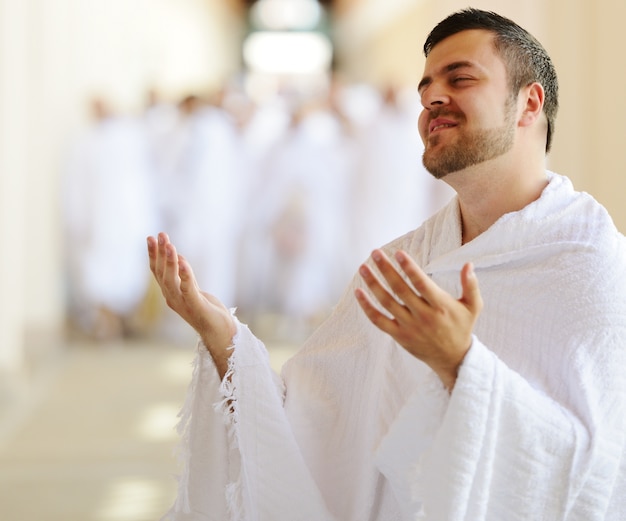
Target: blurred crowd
273 203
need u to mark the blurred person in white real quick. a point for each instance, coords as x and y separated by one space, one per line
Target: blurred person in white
392 192
160 117
108 203
262 127
199 187
297 221
479 375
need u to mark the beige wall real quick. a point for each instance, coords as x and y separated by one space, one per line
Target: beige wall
13 139
584 40
603 141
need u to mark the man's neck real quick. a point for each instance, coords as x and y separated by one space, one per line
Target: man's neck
487 192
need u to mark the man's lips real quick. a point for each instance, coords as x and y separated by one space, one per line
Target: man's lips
440 124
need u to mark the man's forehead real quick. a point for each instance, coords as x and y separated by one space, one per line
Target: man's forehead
472 47
463 45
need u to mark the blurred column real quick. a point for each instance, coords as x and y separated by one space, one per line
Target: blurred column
49 93
14 108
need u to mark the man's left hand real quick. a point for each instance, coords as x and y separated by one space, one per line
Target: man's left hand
424 319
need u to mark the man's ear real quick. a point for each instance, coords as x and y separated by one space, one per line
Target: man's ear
531 101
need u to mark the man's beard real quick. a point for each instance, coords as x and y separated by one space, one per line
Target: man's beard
472 147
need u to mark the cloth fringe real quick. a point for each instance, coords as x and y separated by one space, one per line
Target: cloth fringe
182 451
183 428
229 408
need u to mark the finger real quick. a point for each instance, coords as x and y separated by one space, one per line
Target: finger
427 289
159 267
188 284
471 293
171 278
383 322
404 291
152 253
383 296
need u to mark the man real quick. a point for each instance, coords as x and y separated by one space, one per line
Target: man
441 401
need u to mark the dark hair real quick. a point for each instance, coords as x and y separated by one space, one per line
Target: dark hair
525 59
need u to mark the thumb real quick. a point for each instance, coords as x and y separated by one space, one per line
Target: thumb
471 292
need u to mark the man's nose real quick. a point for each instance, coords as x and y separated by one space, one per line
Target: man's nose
434 95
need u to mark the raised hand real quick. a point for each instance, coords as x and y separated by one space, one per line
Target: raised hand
204 312
424 319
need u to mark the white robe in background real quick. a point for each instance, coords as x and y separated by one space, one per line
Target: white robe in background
393 193
215 207
108 211
297 236
359 430
199 198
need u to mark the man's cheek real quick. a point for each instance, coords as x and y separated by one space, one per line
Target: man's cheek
422 125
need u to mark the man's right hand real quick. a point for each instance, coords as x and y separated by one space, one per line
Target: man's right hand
204 312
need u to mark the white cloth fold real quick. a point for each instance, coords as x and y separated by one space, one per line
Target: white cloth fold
535 427
240 460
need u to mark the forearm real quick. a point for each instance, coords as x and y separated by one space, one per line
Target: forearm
221 346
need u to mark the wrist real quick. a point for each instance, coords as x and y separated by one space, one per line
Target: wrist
220 345
448 370
448 378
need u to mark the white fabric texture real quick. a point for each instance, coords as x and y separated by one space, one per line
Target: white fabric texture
535 427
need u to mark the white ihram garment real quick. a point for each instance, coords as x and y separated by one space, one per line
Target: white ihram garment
534 428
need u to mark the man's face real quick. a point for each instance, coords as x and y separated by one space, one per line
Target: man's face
469 113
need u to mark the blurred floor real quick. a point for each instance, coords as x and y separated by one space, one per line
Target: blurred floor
91 437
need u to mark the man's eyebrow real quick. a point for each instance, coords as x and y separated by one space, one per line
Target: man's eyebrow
426 80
